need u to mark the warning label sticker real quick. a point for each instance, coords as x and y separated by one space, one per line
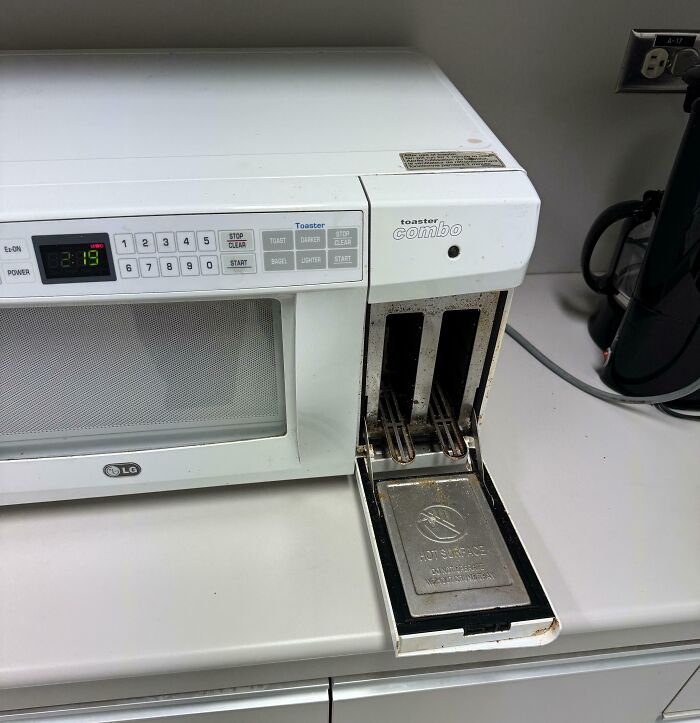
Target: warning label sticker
446 160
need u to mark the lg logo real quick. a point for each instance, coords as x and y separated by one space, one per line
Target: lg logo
122 469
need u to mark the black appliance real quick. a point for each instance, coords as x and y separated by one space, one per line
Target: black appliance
648 322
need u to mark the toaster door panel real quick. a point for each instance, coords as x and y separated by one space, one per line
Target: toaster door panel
453 572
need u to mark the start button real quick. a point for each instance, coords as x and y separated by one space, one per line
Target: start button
238 263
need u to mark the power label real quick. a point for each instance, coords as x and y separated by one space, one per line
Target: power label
450 160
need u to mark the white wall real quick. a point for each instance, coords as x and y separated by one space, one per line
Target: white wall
541 72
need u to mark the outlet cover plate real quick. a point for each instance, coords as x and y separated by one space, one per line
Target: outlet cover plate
639 44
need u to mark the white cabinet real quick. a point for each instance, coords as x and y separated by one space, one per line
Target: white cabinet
686 705
306 702
594 689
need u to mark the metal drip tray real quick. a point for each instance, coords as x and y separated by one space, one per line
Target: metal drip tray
449 550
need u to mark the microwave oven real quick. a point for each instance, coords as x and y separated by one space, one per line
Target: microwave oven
230 267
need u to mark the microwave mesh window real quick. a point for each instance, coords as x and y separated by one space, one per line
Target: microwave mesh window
74 379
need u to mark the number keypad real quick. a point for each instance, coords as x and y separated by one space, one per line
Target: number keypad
172 258
312 247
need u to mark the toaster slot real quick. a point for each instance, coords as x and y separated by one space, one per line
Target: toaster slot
399 374
401 353
453 357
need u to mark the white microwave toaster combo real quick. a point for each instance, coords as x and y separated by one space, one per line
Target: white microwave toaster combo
228 267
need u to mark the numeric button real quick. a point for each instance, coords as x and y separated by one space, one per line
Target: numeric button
189 265
128 268
168 267
124 243
149 266
206 240
165 242
186 241
210 265
145 243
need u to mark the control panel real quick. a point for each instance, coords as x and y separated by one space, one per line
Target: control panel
198 252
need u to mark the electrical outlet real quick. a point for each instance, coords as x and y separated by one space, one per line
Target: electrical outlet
655 60
655 63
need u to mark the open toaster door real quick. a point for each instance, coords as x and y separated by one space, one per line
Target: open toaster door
453 572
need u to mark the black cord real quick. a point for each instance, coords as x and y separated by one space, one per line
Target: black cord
594 391
675 413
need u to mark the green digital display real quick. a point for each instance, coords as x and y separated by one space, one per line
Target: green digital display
83 257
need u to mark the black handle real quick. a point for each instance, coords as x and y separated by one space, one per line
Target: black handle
635 212
602 283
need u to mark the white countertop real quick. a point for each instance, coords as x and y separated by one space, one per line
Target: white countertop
606 500
606 497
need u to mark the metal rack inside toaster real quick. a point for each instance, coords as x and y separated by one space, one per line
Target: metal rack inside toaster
424 365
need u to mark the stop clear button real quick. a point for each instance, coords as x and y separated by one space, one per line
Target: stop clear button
17 273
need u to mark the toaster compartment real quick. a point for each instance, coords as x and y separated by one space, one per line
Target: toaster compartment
424 366
453 571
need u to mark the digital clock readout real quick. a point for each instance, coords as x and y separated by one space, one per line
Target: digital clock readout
73 261
74 258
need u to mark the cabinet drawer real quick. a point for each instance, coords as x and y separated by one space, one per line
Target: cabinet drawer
306 702
687 703
583 690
